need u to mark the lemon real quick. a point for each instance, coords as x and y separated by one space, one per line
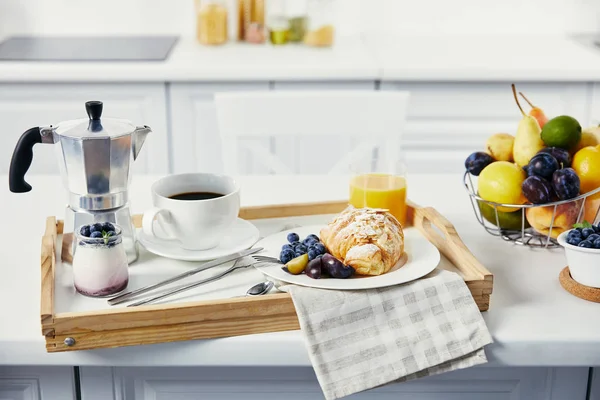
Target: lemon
500 182
586 163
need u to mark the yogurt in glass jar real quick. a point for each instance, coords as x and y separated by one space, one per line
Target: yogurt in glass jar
100 265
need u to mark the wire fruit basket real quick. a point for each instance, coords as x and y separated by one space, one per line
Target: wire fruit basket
517 227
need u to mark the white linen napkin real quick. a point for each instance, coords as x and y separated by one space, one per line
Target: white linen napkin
358 340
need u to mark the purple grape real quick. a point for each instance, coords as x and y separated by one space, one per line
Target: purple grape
335 268
477 161
537 190
542 165
313 268
566 183
561 155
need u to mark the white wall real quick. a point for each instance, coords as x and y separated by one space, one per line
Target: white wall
354 16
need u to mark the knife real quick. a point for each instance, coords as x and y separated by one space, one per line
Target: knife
222 260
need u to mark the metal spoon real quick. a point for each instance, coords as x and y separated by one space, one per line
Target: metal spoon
260 288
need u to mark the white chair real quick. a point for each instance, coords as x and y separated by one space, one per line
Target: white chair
357 121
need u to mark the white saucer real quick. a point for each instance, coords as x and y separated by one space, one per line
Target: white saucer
241 237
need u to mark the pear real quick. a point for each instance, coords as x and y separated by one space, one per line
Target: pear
528 140
500 146
536 112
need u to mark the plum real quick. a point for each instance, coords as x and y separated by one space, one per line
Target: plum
566 183
537 190
335 268
477 161
542 165
562 156
313 268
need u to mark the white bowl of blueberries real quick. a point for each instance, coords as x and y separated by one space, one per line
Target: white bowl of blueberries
582 249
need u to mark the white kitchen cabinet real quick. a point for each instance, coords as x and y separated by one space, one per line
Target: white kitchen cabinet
315 154
483 383
23 106
595 105
37 383
448 121
196 146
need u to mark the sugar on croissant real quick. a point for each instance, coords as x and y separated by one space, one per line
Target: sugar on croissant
369 240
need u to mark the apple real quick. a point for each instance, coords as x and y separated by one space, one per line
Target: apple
540 218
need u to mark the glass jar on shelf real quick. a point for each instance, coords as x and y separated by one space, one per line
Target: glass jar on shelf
296 12
277 22
251 17
211 22
320 27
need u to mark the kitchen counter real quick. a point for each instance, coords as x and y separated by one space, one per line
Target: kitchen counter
402 58
533 321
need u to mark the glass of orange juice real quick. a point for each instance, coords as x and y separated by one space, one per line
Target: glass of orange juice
380 186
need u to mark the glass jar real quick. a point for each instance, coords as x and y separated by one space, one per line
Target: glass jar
211 22
100 265
296 12
320 29
277 22
251 21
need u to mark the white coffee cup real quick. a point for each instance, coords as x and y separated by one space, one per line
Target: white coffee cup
193 224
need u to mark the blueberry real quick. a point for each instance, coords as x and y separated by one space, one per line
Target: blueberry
286 255
597 244
319 247
111 233
85 231
96 234
287 247
300 249
593 237
97 227
586 244
313 236
575 240
309 242
585 232
312 254
596 228
293 237
107 227
574 233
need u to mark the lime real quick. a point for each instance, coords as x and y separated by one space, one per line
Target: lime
509 221
563 132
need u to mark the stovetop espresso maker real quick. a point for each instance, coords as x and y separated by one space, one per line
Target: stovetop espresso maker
95 157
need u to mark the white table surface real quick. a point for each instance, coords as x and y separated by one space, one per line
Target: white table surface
370 58
532 319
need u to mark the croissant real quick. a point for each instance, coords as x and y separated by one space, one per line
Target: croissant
369 240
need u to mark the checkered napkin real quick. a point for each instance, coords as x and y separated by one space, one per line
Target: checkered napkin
358 340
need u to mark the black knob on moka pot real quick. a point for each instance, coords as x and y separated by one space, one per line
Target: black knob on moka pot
94 112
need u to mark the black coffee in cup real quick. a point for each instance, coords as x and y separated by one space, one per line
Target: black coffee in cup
196 196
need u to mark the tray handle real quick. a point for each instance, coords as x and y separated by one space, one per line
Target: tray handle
439 231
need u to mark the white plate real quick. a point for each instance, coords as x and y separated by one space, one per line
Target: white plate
423 257
241 236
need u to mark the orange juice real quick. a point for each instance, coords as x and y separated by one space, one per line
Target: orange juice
380 191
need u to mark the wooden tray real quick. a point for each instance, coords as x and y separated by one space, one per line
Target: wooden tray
116 327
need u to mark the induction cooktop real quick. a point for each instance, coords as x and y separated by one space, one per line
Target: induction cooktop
99 48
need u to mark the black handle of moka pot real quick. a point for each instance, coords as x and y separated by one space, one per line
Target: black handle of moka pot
21 160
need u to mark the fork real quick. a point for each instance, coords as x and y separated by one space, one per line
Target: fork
266 259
